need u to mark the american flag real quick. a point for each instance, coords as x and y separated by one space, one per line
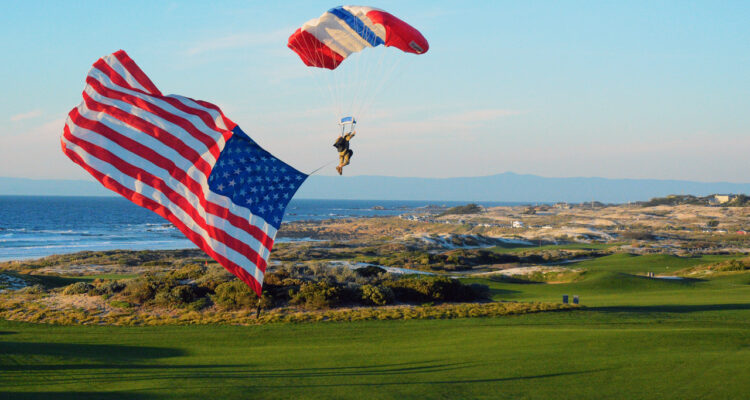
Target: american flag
184 160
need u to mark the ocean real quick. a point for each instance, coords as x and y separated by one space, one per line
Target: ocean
38 226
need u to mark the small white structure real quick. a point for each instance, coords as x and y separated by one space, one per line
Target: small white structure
517 224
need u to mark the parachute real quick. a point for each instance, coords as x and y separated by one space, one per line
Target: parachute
351 33
326 41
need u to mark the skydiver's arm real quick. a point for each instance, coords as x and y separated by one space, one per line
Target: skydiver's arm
351 135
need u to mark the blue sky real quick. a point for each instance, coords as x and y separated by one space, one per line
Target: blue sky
612 89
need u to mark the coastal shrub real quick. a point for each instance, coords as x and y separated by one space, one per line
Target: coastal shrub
234 295
146 287
78 288
190 271
377 295
107 288
369 271
199 304
317 295
33 289
440 289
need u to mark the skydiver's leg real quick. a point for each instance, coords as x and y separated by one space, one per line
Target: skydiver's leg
347 156
341 163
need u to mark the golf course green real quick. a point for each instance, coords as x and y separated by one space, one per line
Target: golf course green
636 338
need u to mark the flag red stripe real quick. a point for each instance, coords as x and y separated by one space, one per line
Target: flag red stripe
176 198
145 202
174 171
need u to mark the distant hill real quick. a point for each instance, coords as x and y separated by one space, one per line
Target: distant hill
506 187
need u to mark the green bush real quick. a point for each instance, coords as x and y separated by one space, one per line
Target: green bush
440 289
317 295
78 288
370 271
377 295
234 295
108 288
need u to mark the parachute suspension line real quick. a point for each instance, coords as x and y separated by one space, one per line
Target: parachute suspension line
366 106
313 72
369 93
321 167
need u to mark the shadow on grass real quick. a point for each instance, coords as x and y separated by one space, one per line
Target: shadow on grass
99 352
503 292
200 375
672 308
450 381
79 395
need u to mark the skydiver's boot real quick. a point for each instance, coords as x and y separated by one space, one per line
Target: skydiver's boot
339 169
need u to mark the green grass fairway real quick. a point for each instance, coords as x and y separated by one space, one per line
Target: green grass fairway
696 352
638 338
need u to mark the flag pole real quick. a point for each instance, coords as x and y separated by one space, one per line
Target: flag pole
257 311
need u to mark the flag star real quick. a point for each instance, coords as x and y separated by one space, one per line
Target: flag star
277 219
274 169
220 187
249 168
286 177
266 198
281 206
253 159
225 174
231 161
232 182
276 196
243 192
286 195
299 177
254 189
237 171
262 209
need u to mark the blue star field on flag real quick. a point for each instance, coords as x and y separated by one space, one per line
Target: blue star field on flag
254 178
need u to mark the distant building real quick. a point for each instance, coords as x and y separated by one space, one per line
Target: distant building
721 198
517 224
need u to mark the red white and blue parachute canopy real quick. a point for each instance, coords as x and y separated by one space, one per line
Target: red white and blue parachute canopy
326 41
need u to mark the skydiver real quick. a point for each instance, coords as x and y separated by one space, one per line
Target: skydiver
345 154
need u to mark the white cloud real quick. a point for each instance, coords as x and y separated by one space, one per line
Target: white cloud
27 115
